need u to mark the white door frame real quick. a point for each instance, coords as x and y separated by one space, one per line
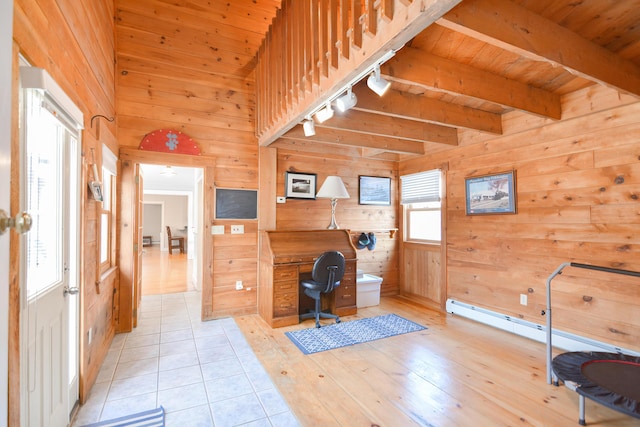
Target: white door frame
6 85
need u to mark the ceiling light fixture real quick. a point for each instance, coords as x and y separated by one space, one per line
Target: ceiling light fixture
379 85
167 171
346 101
309 127
325 114
376 83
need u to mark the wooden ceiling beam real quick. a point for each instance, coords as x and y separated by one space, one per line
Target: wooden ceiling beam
414 66
355 139
416 107
393 127
511 27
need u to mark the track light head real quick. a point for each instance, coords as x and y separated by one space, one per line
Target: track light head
325 114
376 83
309 127
346 101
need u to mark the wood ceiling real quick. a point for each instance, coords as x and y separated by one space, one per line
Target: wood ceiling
482 59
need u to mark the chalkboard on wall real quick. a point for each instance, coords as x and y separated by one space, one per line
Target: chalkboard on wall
236 204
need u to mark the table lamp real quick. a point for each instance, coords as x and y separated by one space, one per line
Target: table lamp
333 188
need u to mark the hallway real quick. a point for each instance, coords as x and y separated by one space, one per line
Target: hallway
163 273
203 373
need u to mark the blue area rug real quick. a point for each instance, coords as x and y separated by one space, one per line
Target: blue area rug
314 340
152 418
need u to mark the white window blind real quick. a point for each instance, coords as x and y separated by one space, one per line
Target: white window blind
421 187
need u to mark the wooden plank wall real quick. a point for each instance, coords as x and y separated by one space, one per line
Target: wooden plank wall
316 214
578 182
190 69
75 43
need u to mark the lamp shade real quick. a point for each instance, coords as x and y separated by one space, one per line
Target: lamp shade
333 188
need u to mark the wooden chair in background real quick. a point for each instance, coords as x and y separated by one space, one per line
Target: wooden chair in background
174 242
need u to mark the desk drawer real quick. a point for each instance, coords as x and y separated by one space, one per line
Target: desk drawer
285 286
284 273
349 267
345 295
285 304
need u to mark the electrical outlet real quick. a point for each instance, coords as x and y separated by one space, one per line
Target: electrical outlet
237 229
523 299
238 285
281 199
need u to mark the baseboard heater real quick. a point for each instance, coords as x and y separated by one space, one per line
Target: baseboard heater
563 340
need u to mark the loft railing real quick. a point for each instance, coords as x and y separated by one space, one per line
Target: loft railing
315 47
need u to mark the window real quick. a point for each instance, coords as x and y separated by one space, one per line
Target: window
421 199
107 213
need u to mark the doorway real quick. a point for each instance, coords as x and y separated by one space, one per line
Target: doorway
171 198
131 193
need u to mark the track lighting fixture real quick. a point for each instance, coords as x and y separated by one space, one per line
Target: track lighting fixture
325 114
309 127
346 101
376 83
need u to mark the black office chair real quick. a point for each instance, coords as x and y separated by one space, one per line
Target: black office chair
325 277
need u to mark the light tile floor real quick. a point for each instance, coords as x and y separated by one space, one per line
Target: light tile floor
202 373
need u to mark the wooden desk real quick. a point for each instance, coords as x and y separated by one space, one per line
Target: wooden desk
286 257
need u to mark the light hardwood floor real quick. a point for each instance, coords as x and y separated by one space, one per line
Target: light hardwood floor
455 373
165 274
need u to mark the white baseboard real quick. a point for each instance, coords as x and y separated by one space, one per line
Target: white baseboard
563 340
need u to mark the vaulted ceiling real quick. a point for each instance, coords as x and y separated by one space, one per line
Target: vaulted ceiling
480 60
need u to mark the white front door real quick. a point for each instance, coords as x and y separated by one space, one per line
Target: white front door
49 261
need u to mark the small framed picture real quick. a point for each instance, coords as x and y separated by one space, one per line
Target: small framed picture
491 194
375 190
300 185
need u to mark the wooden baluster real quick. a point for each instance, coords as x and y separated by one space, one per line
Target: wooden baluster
268 86
387 10
288 85
372 18
356 23
316 36
345 48
296 47
324 38
277 63
333 37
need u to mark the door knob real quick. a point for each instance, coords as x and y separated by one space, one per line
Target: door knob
21 223
70 291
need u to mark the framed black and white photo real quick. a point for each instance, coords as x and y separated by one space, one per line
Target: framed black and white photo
300 185
491 194
375 190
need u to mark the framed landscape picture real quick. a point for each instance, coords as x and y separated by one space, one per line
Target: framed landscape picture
491 194
375 190
300 185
